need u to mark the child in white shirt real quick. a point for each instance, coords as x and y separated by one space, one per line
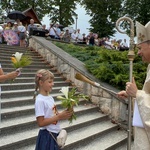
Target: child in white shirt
46 112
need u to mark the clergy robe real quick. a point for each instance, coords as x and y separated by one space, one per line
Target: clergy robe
142 135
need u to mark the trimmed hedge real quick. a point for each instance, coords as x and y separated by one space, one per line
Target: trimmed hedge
110 66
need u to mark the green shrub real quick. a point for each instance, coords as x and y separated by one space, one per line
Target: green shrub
110 66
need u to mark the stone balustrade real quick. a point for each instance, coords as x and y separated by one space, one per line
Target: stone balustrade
68 66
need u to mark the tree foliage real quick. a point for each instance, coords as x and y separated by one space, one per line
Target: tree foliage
103 14
61 11
39 6
137 10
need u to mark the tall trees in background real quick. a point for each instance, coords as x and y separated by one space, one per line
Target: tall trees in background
61 11
38 5
138 10
104 13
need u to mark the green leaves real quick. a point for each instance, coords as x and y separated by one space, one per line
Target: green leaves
137 10
71 98
103 14
19 60
109 66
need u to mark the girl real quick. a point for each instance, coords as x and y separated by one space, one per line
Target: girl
46 113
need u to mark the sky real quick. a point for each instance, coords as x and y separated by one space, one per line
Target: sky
83 23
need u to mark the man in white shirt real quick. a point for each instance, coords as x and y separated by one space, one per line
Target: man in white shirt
74 36
79 35
124 45
52 31
57 31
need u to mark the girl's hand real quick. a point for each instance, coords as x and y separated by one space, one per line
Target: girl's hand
66 114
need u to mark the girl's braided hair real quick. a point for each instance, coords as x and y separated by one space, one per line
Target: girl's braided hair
42 75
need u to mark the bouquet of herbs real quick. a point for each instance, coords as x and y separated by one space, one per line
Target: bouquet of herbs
71 98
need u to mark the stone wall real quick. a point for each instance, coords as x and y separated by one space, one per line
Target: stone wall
69 66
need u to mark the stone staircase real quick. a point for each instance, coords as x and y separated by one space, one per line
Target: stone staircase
92 130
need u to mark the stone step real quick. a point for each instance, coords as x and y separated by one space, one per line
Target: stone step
22 101
102 138
32 74
35 61
18 139
24 92
124 146
21 123
35 66
11 46
6 57
13 112
17 101
31 85
9 53
27 147
22 79
13 51
26 69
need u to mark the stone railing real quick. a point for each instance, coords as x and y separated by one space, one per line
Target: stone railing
68 66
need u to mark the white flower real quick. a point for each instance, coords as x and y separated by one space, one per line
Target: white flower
18 56
65 91
70 99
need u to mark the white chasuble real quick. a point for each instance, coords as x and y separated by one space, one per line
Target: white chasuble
142 135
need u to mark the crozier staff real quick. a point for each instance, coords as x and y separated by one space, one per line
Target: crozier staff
141 116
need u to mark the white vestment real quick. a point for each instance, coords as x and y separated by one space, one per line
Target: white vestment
142 135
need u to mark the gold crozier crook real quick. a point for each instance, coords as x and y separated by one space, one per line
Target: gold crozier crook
131 58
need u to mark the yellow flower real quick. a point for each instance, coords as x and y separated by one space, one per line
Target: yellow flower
13 59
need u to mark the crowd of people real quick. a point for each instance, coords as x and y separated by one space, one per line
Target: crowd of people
92 39
55 32
18 28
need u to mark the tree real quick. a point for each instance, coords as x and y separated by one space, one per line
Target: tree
39 6
137 10
62 11
6 5
104 14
